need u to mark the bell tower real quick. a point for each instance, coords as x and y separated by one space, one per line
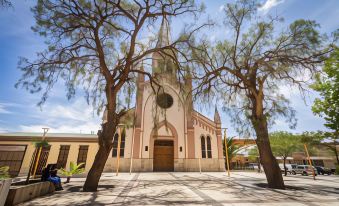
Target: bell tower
163 62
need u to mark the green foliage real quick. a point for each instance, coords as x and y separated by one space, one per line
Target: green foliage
92 44
248 68
337 169
74 169
312 138
283 144
232 148
253 154
328 87
319 139
4 172
99 47
40 143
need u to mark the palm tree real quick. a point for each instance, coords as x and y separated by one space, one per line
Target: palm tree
232 149
73 170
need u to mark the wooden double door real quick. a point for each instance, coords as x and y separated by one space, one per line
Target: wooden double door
163 156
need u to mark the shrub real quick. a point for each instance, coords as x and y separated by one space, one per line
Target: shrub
4 173
73 170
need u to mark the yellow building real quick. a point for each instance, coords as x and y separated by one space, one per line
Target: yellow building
17 150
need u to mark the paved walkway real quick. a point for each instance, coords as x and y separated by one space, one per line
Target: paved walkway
243 188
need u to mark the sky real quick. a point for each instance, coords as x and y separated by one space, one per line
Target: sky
18 108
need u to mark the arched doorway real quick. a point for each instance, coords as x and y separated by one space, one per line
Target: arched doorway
163 156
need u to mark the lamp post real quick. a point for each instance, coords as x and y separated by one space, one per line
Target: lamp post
226 156
119 127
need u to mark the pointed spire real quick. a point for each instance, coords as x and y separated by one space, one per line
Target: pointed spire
216 116
164 33
162 63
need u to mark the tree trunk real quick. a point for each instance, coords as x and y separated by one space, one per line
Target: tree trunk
259 165
68 179
105 146
336 155
285 169
94 174
269 162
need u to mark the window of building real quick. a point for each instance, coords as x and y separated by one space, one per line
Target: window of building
209 148
12 156
122 144
82 156
203 147
63 155
164 100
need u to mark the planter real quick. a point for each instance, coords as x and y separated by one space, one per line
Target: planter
4 189
21 193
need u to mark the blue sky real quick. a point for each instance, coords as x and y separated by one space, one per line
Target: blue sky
18 110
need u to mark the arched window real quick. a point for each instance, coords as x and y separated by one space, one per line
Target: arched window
209 147
203 147
122 145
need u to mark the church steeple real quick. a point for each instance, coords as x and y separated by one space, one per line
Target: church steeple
217 119
164 34
163 63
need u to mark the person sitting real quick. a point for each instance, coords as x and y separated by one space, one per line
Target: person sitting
55 179
49 173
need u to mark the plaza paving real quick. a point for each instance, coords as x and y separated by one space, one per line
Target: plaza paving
196 189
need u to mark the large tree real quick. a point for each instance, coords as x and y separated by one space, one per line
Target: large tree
284 144
327 84
250 64
97 45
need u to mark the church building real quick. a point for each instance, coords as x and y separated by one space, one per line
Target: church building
167 133
164 133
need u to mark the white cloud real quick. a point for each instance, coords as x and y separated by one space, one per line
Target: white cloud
68 127
269 4
69 117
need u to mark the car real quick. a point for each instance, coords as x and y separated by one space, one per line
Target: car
305 170
289 167
254 166
323 170
292 168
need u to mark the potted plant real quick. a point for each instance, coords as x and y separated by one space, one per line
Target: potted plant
74 169
5 184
